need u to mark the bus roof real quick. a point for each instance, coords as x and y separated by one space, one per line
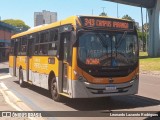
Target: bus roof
70 20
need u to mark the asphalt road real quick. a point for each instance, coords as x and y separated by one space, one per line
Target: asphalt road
38 99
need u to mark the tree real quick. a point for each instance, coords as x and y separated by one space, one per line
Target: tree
127 17
16 23
143 36
146 27
103 14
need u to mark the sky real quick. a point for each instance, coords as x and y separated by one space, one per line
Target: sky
24 9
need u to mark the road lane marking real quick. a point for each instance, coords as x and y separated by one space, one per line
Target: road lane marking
15 102
5 76
3 86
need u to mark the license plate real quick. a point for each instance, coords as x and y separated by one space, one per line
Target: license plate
111 88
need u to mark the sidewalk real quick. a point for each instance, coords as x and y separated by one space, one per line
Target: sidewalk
4 68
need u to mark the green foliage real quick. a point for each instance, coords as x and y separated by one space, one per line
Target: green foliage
146 27
127 17
16 23
149 64
103 14
142 35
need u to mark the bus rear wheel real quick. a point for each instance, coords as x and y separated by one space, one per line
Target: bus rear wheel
54 91
21 81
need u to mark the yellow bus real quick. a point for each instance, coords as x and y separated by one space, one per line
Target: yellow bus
79 57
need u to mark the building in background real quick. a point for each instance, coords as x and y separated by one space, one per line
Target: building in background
6 32
44 17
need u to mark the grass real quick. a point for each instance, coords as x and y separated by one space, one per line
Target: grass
148 63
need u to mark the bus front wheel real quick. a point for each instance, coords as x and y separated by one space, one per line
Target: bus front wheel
54 91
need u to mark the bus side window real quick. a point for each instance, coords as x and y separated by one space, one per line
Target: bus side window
53 35
12 47
43 49
44 37
36 44
36 49
53 42
52 49
23 45
66 49
37 38
18 51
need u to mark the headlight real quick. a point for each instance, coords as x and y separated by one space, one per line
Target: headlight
79 77
135 77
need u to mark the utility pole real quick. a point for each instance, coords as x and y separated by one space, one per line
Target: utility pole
143 31
146 32
117 11
103 9
92 12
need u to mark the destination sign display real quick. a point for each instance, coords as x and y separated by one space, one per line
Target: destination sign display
106 23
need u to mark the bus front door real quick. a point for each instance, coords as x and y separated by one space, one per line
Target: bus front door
64 67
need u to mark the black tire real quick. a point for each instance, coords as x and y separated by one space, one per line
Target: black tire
21 81
54 91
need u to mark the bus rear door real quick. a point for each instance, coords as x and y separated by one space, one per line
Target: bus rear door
29 58
15 57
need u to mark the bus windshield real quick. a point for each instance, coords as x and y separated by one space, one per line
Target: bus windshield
112 49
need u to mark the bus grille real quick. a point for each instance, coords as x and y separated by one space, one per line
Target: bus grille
104 91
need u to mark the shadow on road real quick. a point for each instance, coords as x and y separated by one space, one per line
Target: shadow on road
4 70
112 103
36 89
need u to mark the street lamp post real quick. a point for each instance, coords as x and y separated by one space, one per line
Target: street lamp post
117 11
103 9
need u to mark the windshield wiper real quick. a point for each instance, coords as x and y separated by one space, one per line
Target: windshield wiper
120 40
102 40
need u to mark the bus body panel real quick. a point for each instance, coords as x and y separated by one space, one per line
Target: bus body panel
21 63
40 70
30 69
40 79
11 65
40 64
